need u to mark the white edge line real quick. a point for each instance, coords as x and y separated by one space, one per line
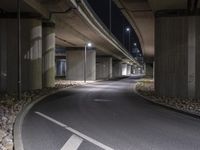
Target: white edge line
75 132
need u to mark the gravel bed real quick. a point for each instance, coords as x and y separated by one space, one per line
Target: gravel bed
10 107
146 88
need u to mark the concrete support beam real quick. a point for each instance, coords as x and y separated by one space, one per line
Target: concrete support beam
117 69
177 56
48 54
75 65
35 55
104 67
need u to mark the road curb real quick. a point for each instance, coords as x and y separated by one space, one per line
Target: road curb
165 106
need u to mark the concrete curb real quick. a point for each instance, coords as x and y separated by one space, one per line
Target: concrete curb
196 116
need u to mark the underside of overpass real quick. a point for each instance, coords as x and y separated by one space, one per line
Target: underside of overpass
50 25
168 32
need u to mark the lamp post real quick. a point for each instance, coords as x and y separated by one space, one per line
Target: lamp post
85 60
129 38
110 15
19 49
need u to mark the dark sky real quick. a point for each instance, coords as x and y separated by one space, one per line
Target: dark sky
119 22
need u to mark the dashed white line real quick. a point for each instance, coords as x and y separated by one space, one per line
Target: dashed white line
73 143
99 144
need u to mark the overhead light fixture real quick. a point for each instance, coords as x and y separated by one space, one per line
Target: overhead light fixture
89 44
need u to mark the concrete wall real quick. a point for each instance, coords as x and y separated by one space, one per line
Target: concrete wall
117 69
104 67
75 65
177 56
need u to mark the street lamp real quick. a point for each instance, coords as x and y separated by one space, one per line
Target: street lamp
19 76
127 29
129 38
85 59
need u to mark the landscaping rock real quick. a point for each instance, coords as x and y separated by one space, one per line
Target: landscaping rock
188 105
2 135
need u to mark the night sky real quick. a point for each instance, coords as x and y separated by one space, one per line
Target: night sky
119 22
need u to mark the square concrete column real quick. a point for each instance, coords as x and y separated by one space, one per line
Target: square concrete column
177 56
124 69
149 70
31 52
48 54
75 65
128 69
117 68
35 69
104 67
3 56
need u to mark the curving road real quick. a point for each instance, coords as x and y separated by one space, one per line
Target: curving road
107 115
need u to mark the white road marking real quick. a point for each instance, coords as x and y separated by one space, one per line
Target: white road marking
102 100
51 119
73 143
101 145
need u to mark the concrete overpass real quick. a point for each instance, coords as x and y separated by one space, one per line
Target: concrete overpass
168 32
46 25
169 35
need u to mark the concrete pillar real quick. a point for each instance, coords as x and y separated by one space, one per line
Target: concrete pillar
128 69
48 54
149 70
3 55
31 52
117 69
35 55
104 67
177 56
75 65
124 69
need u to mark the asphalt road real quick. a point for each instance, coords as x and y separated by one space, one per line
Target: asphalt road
107 115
